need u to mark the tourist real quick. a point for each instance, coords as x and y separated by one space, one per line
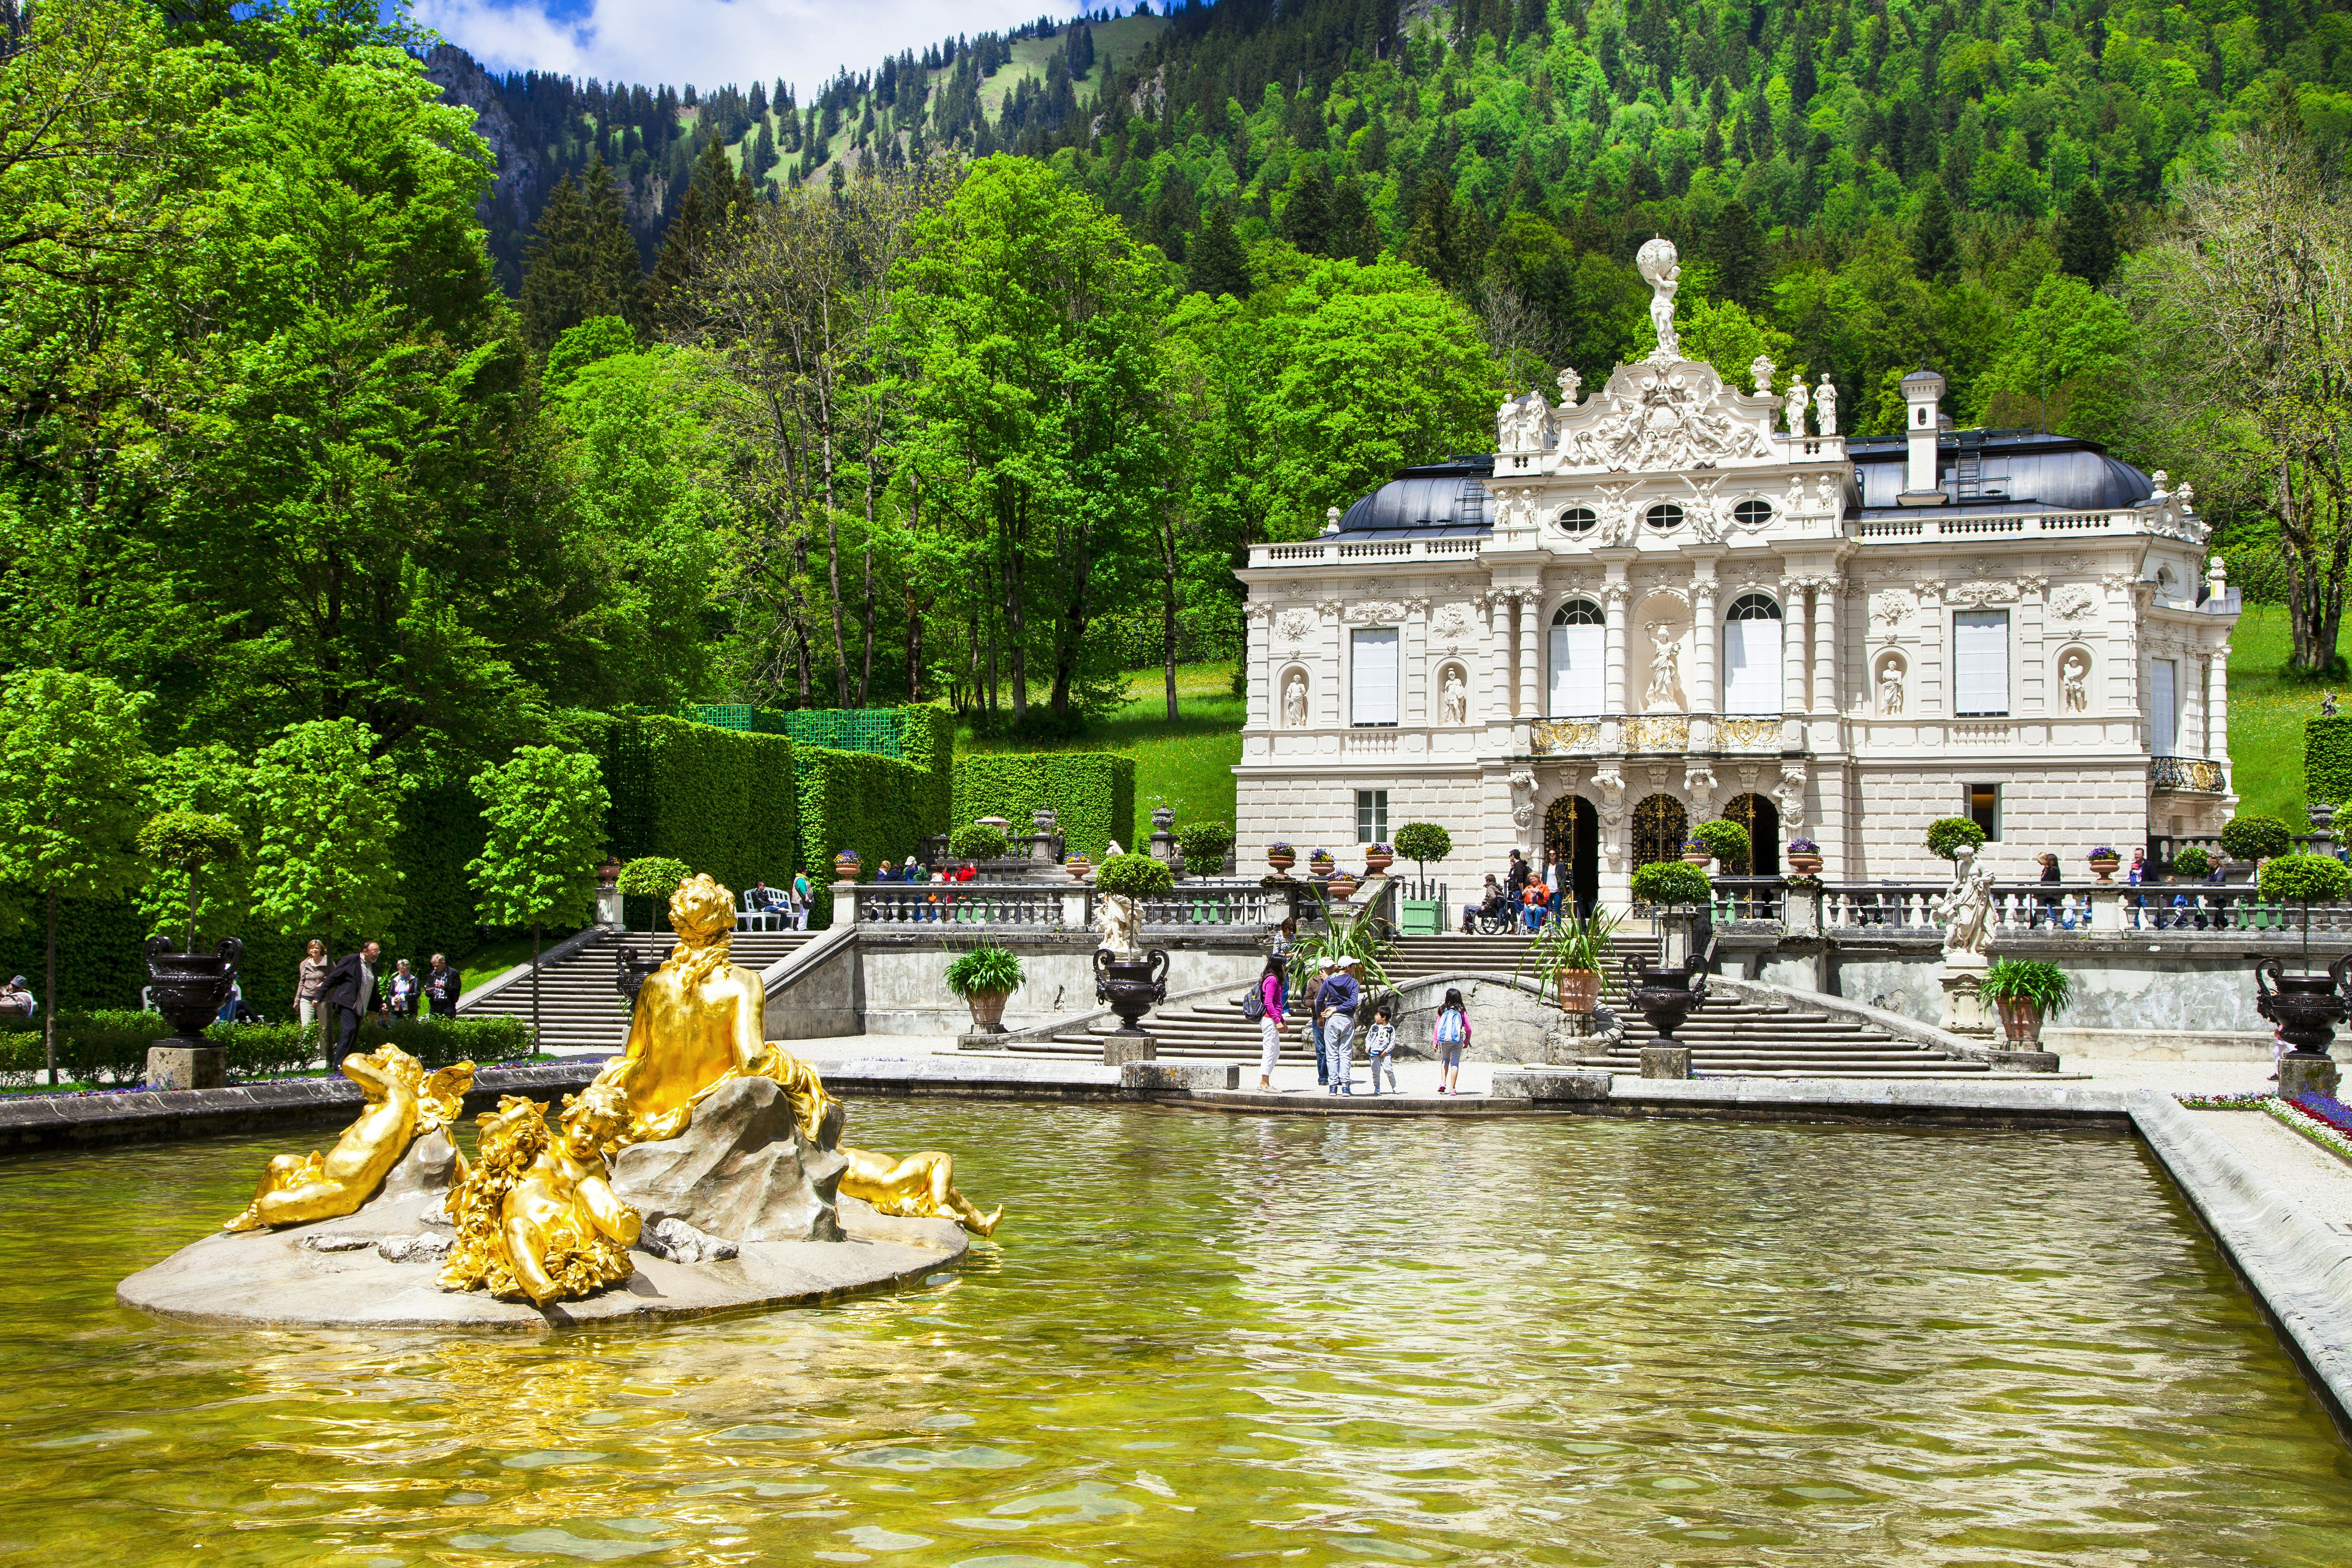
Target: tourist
758 898
1493 907
1515 875
351 991
1449 1037
2050 903
443 986
1336 1006
404 990
1380 1048
1535 902
1271 988
803 898
227 1013
1286 936
1551 878
16 1002
309 976
1323 968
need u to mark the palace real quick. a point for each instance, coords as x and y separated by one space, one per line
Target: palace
1652 607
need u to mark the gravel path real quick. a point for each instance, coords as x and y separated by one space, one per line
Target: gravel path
2319 1182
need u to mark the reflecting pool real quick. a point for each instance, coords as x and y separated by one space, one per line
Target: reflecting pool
1208 1339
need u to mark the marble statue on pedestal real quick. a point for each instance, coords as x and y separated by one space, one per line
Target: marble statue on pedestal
1660 268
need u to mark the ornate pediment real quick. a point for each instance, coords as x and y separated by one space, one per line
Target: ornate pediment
1659 417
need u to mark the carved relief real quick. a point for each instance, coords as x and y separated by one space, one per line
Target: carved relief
2074 603
1376 610
1294 626
1890 615
1652 417
1981 593
1450 624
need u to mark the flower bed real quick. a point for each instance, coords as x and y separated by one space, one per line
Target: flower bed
2320 1117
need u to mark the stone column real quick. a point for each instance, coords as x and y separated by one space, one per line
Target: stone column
1530 658
2217 706
1825 617
1498 623
1706 626
1614 598
1261 675
1792 659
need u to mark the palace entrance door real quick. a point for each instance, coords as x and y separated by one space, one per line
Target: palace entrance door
1572 833
1660 829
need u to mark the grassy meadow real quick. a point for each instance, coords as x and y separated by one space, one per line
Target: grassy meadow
2267 711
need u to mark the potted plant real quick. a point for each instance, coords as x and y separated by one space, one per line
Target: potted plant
981 841
1946 834
2254 839
984 978
654 877
2027 991
1343 887
1378 857
2192 862
1804 857
1726 841
1076 866
1319 863
845 866
1422 842
1281 857
1567 954
2106 862
1203 845
1695 852
1670 882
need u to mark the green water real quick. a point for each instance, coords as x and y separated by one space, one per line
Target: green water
1209 1339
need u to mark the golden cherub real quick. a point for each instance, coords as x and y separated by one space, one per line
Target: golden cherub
402 1105
537 1216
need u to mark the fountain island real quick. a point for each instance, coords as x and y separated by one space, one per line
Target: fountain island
701 1171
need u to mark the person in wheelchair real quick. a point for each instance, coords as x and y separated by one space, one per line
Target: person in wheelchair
1491 914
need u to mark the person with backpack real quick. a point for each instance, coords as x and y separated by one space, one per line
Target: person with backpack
1263 1005
1449 1038
1335 1006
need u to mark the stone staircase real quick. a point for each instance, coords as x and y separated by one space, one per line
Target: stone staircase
1728 1038
580 1011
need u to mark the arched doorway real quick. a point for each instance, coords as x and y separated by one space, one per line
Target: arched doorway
1572 831
1660 829
1756 813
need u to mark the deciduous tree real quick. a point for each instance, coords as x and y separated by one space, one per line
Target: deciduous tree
328 810
544 810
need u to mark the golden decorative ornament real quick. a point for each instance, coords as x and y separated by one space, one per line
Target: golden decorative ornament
920 1186
537 1216
402 1105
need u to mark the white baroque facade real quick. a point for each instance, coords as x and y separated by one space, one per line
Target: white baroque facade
1678 600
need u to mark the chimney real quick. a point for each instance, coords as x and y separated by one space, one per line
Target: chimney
1923 425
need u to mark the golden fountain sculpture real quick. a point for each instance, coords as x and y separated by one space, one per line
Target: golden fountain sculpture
920 1186
402 1105
537 1215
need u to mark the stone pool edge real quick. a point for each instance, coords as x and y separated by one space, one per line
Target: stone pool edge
2298 1268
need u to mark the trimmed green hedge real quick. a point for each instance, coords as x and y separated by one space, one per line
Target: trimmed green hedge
861 800
111 1046
2328 759
1093 791
723 801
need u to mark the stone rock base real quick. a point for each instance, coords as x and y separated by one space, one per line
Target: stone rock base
2306 1075
2024 1061
1537 1085
1120 1049
186 1067
741 1170
1159 1075
1965 1011
1666 1062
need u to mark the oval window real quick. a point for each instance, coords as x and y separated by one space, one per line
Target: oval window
1579 519
1752 513
1665 517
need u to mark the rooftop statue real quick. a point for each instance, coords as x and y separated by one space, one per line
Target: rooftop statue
402 1105
1660 268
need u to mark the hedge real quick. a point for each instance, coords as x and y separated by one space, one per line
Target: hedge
2328 759
861 801
723 801
112 1045
1093 792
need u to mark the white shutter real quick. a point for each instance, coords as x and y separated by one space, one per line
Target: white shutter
1751 667
2164 706
1980 662
1576 674
1374 695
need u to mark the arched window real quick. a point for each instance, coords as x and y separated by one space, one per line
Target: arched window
1579 637
1666 517
1579 519
1752 513
1659 829
1751 656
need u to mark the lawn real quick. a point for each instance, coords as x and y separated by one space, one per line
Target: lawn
2267 711
1116 41
1188 764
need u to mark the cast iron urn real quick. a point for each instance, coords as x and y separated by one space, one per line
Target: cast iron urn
630 970
1664 997
189 987
1132 985
2306 1007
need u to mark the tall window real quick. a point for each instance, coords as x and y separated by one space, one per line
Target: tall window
1984 809
1371 817
1751 656
1373 698
1577 636
2164 706
1980 663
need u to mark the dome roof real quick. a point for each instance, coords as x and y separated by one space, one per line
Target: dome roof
2017 468
1445 498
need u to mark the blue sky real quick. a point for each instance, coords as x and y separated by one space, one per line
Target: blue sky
710 42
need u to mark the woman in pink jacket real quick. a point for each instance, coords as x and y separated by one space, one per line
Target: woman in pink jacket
1269 1026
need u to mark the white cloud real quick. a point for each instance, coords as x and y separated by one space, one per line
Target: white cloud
711 42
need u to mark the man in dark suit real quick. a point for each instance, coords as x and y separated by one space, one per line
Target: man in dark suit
442 985
353 988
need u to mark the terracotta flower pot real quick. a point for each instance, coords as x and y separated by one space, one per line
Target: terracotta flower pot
1282 859
1580 990
1343 887
1077 867
2106 866
845 869
1804 864
1376 861
987 1011
1695 857
2021 1019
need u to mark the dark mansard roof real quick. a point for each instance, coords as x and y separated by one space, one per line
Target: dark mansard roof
1434 500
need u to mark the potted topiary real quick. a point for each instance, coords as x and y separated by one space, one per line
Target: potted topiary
1422 842
2254 839
2306 1007
2192 862
1671 882
1567 954
1378 857
654 877
1203 845
1804 857
1726 841
984 977
1281 857
981 841
2104 862
2027 991
1946 834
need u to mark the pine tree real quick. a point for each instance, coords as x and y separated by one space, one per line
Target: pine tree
1218 266
1307 220
582 261
1736 249
2087 240
1933 250
716 199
